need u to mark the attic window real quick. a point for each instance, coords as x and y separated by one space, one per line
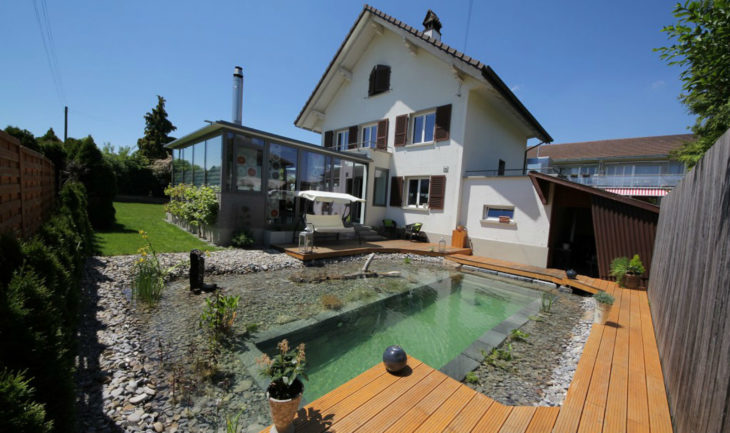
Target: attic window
379 80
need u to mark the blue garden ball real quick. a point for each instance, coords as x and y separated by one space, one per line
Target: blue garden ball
395 359
570 273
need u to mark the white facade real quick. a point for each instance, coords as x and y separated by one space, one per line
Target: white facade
486 129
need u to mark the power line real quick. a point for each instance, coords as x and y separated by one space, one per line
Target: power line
468 22
44 26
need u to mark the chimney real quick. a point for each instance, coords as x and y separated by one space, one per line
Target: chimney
237 94
432 25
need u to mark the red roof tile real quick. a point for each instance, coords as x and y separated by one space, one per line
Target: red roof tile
622 147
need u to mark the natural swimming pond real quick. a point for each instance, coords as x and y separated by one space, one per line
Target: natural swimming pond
434 323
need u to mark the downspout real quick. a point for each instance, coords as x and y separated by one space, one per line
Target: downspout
524 159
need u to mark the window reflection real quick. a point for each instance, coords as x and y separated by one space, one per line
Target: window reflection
282 184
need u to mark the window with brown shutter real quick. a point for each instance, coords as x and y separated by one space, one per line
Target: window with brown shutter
437 192
382 140
328 138
379 80
443 122
401 130
352 142
396 191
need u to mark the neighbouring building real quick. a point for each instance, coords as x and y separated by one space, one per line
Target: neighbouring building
634 167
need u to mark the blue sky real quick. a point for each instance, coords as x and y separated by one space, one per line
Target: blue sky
585 69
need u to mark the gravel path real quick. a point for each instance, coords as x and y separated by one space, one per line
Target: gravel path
542 366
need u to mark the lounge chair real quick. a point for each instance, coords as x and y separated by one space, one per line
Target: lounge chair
390 228
327 224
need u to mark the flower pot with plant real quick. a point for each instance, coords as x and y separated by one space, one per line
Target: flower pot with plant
285 390
604 302
634 271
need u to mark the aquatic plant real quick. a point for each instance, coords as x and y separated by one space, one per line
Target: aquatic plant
407 260
232 423
331 302
149 279
219 314
471 377
517 335
361 294
547 302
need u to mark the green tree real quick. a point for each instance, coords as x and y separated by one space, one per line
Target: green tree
701 45
86 164
26 137
49 137
156 130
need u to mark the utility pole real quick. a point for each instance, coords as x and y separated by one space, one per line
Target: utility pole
65 124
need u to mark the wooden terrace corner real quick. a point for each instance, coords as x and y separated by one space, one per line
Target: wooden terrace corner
617 387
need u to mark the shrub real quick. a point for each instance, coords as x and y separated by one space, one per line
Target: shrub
603 298
619 268
19 413
331 302
242 239
635 266
196 205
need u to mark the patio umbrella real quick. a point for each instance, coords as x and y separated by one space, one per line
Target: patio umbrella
328 197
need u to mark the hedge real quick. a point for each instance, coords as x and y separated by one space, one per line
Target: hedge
39 303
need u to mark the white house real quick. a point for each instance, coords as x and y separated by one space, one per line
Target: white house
441 129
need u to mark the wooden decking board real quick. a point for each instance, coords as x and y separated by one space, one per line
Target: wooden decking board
659 418
382 400
447 411
389 415
544 420
493 419
470 415
518 420
412 419
595 400
618 386
638 412
353 247
614 420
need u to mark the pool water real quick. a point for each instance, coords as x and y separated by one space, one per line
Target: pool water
433 323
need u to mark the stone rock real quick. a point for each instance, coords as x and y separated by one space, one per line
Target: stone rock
158 427
139 398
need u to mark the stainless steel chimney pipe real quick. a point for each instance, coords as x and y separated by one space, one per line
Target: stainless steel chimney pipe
237 94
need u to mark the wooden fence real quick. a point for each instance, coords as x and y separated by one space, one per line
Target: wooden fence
26 187
689 290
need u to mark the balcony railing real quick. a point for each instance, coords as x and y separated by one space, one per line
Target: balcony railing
510 172
643 181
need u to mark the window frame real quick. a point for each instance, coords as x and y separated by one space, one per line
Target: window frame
344 133
373 140
412 127
488 207
407 188
375 178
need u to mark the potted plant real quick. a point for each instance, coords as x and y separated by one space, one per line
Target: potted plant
633 273
619 268
285 390
604 302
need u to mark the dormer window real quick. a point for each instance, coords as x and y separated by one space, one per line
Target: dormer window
379 80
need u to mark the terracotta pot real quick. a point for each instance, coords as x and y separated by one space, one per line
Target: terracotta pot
601 313
283 412
632 281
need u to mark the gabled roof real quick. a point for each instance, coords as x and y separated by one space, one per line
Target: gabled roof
486 72
616 148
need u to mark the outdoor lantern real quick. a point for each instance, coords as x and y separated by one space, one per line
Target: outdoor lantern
306 239
442 245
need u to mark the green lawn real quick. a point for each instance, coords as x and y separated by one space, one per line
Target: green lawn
124 238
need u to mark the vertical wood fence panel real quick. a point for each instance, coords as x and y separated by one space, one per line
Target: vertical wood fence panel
689 290
26 187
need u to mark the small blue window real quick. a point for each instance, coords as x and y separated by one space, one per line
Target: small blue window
495 213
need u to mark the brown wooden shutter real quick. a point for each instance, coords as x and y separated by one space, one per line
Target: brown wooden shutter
382 79
328 137
396 191
382 140
401 130
352 138
443 122
436 192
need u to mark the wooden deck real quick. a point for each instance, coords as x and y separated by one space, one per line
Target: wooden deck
352 248
581 282
617 387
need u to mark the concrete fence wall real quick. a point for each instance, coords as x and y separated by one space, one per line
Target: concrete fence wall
689 290
26 187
